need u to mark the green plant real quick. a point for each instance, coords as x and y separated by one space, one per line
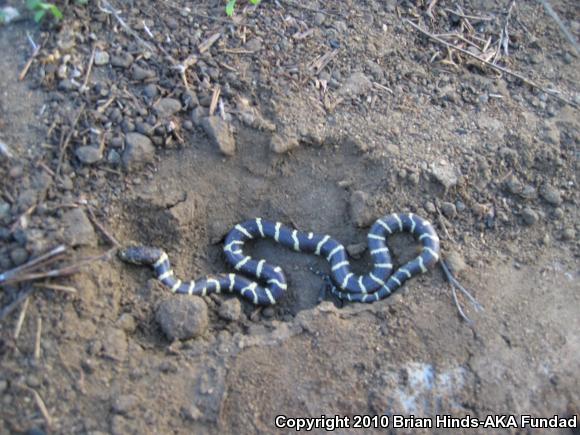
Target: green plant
41 8
232 4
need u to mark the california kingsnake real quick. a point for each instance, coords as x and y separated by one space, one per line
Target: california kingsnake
376 285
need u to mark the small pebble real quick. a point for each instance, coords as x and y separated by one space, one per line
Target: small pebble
123 60
430 207
529 192
19 256
150 91
360 212
268 312
167 107
101 58
139 73
88 154
115 344
127 323
356 250
455 262
558 213
230 309
530 216
569 234
449 210
124 404
551 195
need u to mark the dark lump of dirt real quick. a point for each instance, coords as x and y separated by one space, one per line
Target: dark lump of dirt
166 123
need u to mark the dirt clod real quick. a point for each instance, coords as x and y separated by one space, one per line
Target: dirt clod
182 318
78 229
220 133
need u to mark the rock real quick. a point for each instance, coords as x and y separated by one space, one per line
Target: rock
356 250
186 212
88 154
113 157
280 143
115 344
18 256
231 310
514 186
430 207
198 115
101 58
139 150
254 44
150 90
455 262
139 73
191 413
220 133
182 318
360 211
558 213
123 60
449 210
4 210
78 230
218 229
445 174
144 128
67 85
167 107
551 134
569 234
268 312
319 18
529 192
124 404
127 323
551 195
357 84
530 216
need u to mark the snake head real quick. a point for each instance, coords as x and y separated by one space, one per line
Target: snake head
140 255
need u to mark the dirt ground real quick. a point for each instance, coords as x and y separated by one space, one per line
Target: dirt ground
325 116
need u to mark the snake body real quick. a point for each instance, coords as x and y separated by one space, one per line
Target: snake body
379 283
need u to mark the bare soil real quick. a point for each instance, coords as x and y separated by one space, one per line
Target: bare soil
337 113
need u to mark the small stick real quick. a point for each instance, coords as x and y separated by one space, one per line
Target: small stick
57 287
23 215
456 285
67 139
470 17
38 339
529 82
214 100
563 28
40 404
101 228
36 50
206 45
50 255
89 69
20 320
12 306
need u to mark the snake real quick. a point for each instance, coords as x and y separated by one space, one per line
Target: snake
268 284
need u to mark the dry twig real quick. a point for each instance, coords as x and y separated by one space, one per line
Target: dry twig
550 92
